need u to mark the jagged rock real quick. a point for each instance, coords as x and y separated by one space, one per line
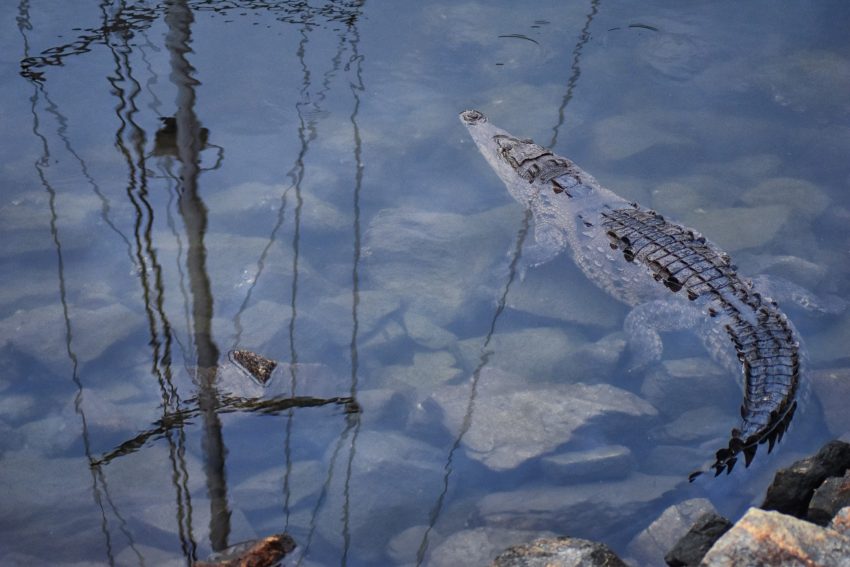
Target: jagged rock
592 509
792 488
559 552
692 547
771 538
841 521
650 546
829 498
609 462
478 546
513 423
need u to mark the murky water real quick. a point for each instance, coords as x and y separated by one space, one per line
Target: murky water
185 178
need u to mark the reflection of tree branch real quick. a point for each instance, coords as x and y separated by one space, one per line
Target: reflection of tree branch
177 419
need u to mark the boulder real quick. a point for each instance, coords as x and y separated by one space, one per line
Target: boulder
793 487
689 551
559 552
829 498
771 538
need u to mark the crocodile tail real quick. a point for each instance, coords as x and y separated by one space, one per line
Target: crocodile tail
726 458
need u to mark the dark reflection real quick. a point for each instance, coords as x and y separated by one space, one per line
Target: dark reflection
175 154
516 253
100 489
575 67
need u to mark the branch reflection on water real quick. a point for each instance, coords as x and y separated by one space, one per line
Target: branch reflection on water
180 141
515 256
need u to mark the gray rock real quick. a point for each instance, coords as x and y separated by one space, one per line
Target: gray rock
771 538
547 354
559 552
678 385
478 546
592 510
793 487
425 332
40 332
625 135
832 388
559 290
673 459
609 462
700 424
794 268
737 228
428 371
805 81
436 263
651 545
829 498
805 198
841 521
377 504
304 480
692 547
372 308
513 423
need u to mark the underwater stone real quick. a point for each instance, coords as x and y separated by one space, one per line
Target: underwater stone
592 510
513 423
608 462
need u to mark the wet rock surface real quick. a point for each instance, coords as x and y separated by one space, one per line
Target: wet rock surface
828 499
591 509
559 552
770 538
792 488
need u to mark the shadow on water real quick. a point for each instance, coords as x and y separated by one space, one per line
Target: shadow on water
516 254
182 138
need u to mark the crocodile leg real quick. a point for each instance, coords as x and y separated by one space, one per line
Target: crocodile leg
646 320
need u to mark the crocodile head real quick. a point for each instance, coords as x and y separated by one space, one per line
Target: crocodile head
524 167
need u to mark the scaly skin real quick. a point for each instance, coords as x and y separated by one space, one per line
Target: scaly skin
672 276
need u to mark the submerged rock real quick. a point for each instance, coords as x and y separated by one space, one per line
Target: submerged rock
436 263
593 509
511 423
609 462
736 228
833 390
559 552
675 386
771 538
478 546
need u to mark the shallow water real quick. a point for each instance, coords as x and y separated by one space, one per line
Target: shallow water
184 178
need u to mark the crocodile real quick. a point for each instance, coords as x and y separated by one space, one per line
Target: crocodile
673 278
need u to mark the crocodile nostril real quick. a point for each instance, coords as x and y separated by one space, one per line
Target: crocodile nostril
473 117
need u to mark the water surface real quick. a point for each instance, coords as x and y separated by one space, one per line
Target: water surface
179 179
